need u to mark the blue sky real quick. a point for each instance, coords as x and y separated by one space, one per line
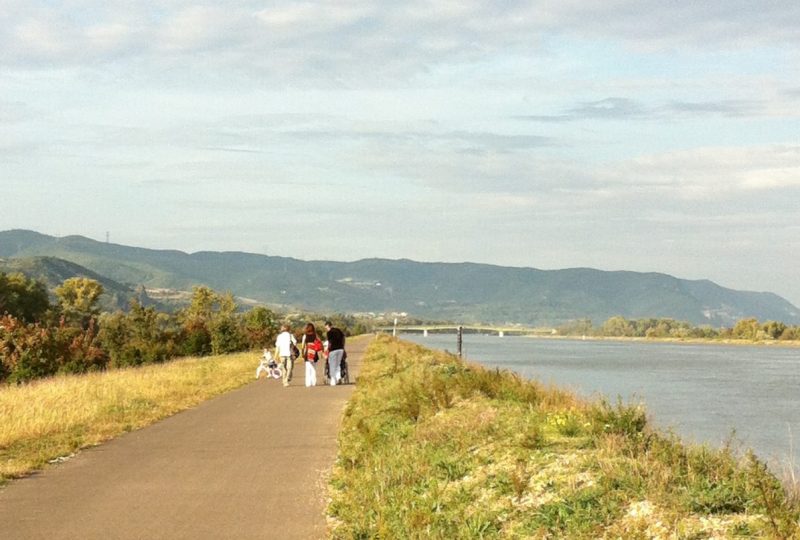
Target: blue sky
621 135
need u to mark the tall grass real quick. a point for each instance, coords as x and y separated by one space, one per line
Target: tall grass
434 448
52 418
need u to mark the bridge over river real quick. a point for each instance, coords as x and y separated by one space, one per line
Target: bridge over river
468 329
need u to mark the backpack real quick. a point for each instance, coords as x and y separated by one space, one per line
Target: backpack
315 346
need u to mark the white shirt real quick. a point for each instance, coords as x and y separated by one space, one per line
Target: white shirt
284 342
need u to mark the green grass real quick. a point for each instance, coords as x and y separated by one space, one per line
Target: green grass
433 448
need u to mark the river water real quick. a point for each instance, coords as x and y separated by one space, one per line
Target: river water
701 392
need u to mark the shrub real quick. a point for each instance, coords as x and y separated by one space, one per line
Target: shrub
22 297
195 340
621 419
30 351
226 336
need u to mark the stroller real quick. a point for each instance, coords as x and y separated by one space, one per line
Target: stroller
343 371
269 366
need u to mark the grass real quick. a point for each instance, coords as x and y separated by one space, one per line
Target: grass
434 448
53 418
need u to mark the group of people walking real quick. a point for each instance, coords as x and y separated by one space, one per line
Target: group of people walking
311 349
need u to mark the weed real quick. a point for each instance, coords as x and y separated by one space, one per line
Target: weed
568 423
620 418
533 437
520 479
782 518
451 469
480 526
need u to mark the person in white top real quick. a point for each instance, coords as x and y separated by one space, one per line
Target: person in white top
285 345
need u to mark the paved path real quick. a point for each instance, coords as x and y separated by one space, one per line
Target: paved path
248 464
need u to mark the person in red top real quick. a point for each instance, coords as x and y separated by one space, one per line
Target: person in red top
310 349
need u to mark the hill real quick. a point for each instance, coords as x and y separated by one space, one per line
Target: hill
53 271
464 292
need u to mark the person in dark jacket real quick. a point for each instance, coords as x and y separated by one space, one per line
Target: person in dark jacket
335 352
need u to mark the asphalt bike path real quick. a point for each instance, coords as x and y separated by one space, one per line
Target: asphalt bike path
249 464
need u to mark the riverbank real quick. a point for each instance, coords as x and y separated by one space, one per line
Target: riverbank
689 341
434 448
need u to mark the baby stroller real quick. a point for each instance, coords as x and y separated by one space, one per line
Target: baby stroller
269 366
343 371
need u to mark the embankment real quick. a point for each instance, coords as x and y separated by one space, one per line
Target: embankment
434 448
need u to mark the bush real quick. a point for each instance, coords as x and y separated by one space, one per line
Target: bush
23 298
30 351
142 336
620 419
195 340
226 336
27 351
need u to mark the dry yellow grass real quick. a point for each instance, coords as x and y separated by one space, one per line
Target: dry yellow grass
51 418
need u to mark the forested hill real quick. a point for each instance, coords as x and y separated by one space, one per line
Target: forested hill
52 271
461 292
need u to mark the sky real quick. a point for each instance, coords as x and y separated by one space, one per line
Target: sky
637 135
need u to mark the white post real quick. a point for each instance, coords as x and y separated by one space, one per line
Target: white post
425 333
500 333
394 328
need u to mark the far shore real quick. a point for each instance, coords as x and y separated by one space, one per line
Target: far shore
685 341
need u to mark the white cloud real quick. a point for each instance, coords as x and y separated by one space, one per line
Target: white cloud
39 38
623 108
358 38
198 29
703 172
654 24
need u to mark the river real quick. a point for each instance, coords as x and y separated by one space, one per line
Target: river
701 392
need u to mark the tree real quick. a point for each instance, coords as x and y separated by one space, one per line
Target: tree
746 329
210 323
140 336
226 332
27 351
617 327
259 327
78 298
579 327
22 297
791 333
202 306
774 329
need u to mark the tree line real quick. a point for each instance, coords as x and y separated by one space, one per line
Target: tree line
39 338
745 329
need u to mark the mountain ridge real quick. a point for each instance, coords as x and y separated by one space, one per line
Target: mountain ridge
465 291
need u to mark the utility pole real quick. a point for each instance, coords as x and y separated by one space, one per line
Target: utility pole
460 340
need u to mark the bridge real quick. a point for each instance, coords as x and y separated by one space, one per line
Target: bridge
467 329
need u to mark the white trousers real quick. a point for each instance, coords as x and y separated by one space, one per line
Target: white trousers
335 366
311 373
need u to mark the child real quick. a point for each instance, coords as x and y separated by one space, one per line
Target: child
268 366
